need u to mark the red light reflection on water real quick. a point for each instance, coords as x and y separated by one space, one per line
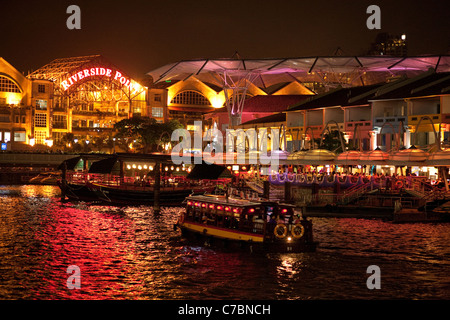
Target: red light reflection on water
99 244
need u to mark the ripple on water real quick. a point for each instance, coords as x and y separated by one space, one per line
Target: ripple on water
129 253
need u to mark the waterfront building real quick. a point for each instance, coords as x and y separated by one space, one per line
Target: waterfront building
345 108
15 105
87 96
413 112
389 44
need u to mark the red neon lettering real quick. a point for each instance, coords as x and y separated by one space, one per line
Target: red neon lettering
74 78
65 85
118 75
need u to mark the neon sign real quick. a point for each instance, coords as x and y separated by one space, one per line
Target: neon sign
92 72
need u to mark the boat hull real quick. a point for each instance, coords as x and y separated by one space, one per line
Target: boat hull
250 242
117 195
78 192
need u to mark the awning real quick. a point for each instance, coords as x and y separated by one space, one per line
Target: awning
103 166
70 163
209 171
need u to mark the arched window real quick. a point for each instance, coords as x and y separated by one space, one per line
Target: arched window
6 85
190 97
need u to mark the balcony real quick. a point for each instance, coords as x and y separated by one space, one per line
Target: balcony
362 124
5 110
425 125
92 130
395 121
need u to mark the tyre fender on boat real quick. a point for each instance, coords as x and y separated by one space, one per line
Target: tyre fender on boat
298 231
280 231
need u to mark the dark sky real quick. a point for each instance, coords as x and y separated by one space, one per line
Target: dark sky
139 36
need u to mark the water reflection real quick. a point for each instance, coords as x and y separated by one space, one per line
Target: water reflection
129 253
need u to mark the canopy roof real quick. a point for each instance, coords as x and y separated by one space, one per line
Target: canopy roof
343 70
209 171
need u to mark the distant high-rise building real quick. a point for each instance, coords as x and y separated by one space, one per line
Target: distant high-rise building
390 45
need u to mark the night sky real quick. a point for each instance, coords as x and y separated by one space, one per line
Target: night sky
139 36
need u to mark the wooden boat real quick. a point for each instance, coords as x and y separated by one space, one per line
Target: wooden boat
102 183
144 195
263 226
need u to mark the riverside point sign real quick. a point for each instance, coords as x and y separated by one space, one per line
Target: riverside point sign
96 72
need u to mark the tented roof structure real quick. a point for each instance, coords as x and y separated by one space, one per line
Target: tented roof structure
350 70
234 75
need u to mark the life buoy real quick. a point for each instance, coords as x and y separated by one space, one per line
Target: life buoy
290 177
280 231
399 184
298 231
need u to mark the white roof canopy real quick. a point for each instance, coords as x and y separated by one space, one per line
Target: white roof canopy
344 70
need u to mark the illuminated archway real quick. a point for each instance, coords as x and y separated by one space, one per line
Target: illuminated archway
437 141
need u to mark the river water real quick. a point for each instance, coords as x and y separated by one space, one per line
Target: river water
129 253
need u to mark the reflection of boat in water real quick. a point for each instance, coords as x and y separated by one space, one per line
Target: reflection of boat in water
251 224
46 178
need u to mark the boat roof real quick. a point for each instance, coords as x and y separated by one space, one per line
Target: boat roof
223 200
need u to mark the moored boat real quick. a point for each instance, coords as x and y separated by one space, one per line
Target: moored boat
251 224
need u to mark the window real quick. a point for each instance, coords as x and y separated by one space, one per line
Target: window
16 119
59 122
20 136
157 97
40 120
190 97
6 85
157 112
39 137
4 118
41 104
7 136
41 88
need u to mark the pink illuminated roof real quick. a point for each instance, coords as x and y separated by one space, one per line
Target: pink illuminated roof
341 70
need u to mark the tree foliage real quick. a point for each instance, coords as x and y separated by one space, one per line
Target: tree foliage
143 134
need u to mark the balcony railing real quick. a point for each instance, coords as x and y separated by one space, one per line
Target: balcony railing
364 124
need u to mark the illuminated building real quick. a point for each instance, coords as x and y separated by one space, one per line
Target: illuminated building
15 105
390 45
86 96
